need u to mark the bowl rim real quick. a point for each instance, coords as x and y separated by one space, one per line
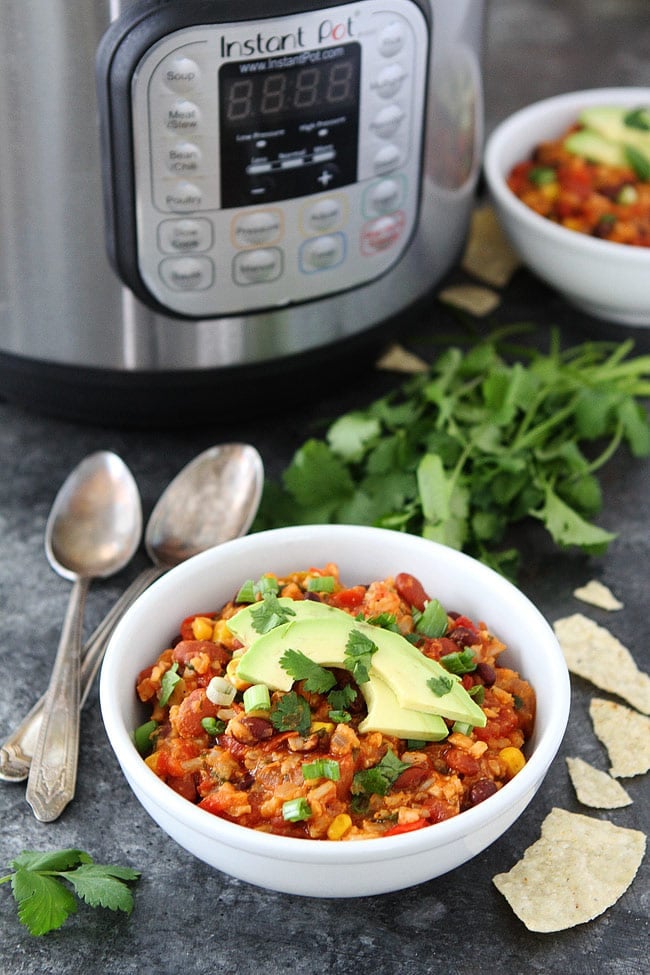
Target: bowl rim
501 138
143 780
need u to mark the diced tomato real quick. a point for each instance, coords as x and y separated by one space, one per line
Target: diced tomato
406 827
348 598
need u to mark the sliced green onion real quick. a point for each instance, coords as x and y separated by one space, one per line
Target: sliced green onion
257 698
247 592
322 768
638 118
478 693
321 584
433 621
638 161
295 810
462 662
414 744
220 691
169 681
213 726
462 728
142 737
542 175
627 195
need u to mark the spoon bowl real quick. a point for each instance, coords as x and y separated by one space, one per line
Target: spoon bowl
93 530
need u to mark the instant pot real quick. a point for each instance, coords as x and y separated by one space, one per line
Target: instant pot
206 204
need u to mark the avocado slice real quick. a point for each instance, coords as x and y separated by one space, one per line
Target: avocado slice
589 144
242 624
386 715
323 638
624 126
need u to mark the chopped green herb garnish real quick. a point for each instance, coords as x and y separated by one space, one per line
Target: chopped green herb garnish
358 655
638 161
638 118
142 737
340 717
494 433
270 613
379 779
257 698
462 662
321 584
462 728
295 810
250 590
387 621
213 726
169 681
322 768
414 744
432 622
317 679
542 175
478 693
291 713
440 685
518 702
39 883
342 697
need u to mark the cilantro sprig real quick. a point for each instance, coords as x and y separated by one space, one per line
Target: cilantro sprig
490 436
378 779
316 678
44 885
358 655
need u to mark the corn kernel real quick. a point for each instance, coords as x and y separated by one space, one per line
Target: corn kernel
231 674
321 726
513 759
202 628
221 633
339 827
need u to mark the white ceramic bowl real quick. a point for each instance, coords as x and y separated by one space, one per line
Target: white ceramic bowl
610 281
320 868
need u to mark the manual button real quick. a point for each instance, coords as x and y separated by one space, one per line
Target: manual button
187 273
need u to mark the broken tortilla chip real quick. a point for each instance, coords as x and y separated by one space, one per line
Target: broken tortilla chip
625 734
594 653
577 869
398 359
595 788
473 298
488 255
597 594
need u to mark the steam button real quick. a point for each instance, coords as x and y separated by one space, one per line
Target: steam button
180 74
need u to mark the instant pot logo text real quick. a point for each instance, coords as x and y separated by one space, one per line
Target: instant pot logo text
260 43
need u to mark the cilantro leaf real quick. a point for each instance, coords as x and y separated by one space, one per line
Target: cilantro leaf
291 713
341 697
440 685
270 613
358 655
39 886
317 679
379 779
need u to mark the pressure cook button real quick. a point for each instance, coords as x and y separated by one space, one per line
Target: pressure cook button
184 236
181 74
183 158
183 117
257 227
388 157
187 273
387 121
184 197
321 253
391 39
256 266
389 80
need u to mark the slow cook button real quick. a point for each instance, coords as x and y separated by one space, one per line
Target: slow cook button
256 228
257 266
184 236
321 253
187 273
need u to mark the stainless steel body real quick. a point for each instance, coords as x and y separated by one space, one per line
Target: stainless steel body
61 303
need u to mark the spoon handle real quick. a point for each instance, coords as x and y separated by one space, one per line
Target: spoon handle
17 750
53 773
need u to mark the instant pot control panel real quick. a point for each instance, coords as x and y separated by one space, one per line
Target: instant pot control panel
257 163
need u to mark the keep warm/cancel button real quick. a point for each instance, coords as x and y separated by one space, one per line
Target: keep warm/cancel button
187 273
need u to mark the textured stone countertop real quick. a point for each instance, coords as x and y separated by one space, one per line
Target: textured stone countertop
190 918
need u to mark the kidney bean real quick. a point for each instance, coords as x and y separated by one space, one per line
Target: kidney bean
481 790
411 778
486 673
462 636
411 590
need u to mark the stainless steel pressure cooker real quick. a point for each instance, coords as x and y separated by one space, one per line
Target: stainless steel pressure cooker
203 200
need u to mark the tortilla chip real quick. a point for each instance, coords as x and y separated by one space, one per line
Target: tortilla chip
577 869
596 788
398 359
470 297
596 594
594 653
488 254
625 734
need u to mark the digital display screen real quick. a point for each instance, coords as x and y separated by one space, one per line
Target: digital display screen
289 124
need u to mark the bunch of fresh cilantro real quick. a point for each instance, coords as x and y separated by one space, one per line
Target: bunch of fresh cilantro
489 436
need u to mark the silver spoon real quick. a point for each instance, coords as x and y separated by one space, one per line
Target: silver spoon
213 499
93 530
